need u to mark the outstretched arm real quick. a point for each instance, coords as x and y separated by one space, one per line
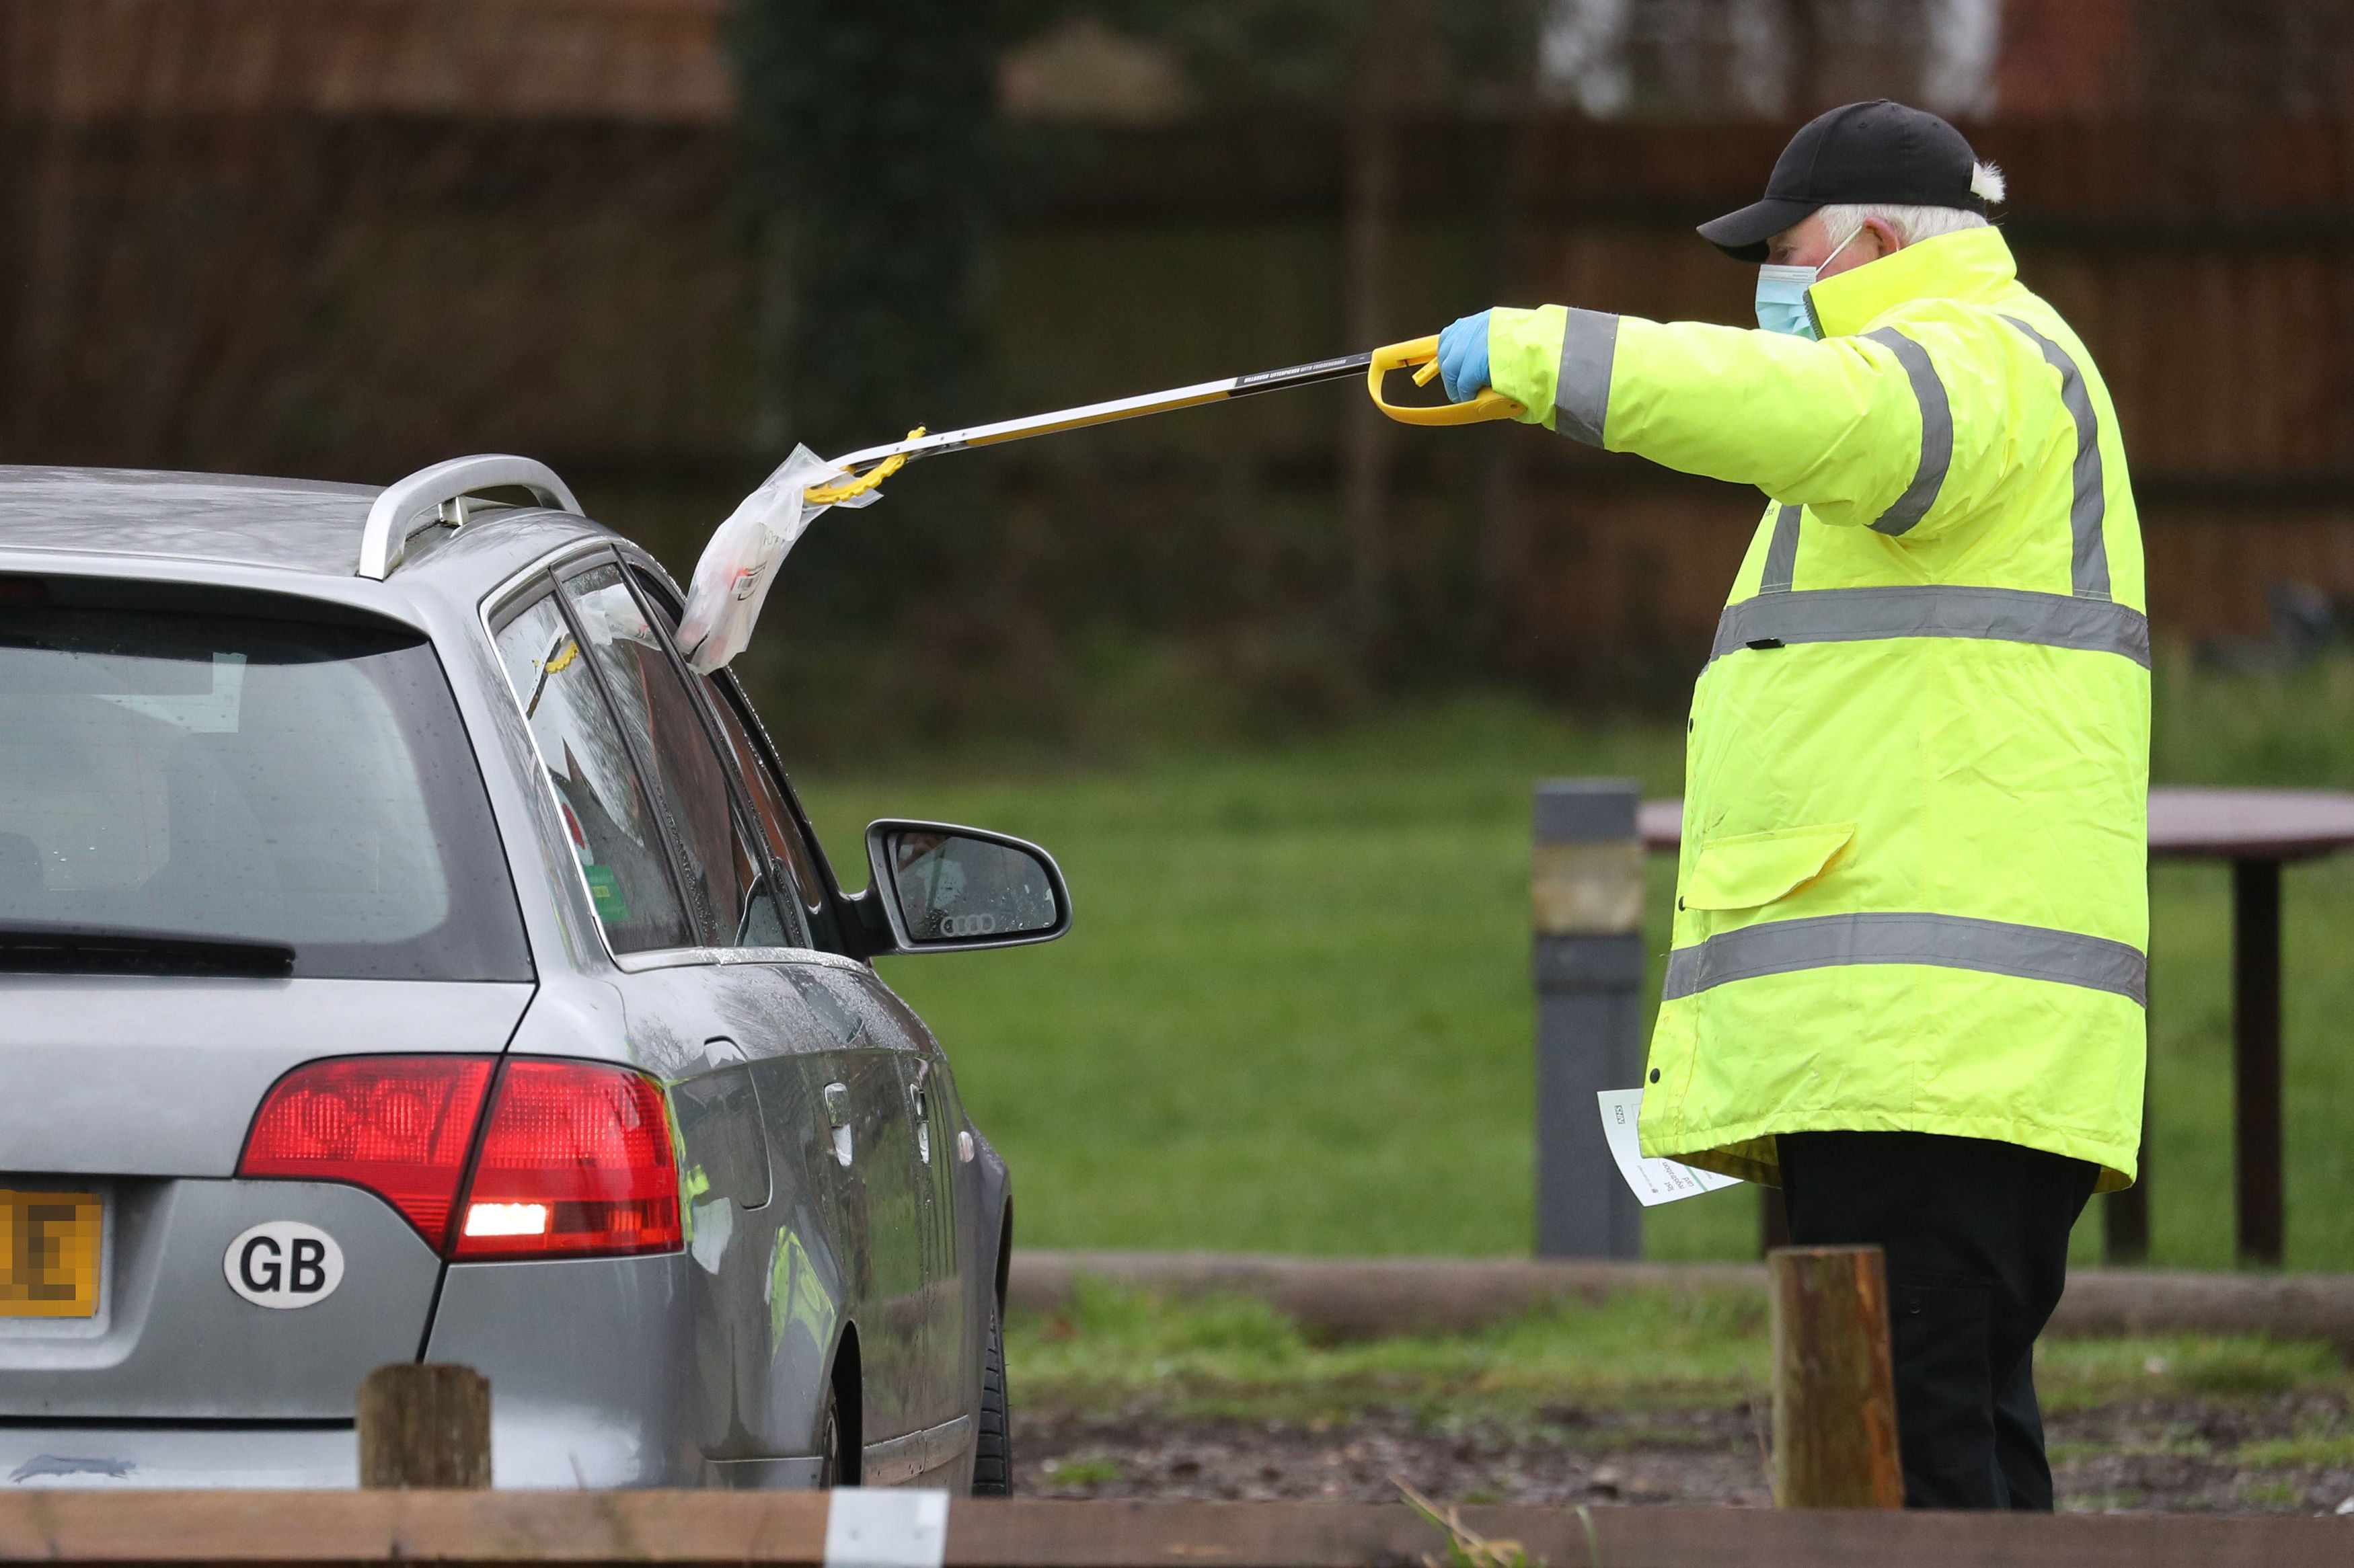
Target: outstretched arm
1837 426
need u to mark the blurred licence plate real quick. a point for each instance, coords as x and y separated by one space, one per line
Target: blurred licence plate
49 1249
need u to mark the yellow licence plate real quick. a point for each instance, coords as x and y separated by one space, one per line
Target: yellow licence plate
48 1250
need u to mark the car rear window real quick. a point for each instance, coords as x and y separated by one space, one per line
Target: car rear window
227 775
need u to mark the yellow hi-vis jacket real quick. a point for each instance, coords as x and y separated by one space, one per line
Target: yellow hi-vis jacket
1913 894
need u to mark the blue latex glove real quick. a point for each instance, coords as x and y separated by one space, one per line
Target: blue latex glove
1463 357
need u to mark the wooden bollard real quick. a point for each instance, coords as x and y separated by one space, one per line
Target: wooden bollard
1834 1389
425 1425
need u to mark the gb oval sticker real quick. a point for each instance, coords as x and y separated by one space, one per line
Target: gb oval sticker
284 1262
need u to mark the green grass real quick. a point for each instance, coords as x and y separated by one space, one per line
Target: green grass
1294 1011
2074 1375
1082 1472
1114 1350
2284 1453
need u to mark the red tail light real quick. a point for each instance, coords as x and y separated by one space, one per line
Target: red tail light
577 1160
398 1126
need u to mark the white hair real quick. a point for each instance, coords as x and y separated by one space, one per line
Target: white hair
1914 224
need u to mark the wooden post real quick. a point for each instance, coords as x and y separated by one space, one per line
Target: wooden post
425 1425
1834 1388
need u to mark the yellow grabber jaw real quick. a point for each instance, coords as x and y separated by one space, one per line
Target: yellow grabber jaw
827 494
1420 356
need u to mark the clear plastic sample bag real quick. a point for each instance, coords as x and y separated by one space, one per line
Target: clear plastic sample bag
732 579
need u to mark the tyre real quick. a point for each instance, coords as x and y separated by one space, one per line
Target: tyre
993 1458
829 1474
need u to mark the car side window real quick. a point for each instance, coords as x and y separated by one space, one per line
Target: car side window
604 805
776 821
797 882
726 898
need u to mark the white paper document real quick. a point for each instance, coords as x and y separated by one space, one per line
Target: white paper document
1653 1180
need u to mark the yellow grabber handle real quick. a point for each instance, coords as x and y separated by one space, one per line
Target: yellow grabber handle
1424 351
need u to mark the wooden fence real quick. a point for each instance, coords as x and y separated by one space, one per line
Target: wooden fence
741 1530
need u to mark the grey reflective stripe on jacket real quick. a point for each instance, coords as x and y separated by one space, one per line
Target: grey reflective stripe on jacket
1936 433
2088 507
1781 554
1581 398
1945 941
1780 618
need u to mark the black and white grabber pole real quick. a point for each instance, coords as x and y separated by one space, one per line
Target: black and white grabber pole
1421 355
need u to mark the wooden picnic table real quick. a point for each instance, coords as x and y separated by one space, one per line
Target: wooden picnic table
2257 830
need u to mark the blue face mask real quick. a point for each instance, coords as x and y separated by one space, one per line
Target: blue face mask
1782 295
1782 299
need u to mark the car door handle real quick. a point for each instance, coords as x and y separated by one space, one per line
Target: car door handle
917 1081
837 1116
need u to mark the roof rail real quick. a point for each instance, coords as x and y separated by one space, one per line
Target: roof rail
436 494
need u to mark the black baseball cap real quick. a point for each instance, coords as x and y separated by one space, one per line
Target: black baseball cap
1876 152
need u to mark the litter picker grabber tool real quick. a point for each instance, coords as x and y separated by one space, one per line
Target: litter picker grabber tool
1422 353
732 579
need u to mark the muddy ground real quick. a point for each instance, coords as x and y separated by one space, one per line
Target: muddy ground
2184 1456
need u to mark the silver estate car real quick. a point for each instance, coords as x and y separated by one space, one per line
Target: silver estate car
405 955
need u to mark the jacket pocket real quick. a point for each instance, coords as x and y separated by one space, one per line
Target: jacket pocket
1752 869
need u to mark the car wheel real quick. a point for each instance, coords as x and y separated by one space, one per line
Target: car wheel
992 1458
830 1465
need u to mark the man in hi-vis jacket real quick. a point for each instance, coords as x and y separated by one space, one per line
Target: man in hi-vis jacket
1907 978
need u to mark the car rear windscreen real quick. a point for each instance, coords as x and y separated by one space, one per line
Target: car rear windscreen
247 777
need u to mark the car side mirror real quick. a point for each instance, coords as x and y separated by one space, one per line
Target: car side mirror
942 887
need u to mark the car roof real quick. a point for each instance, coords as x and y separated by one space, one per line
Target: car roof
288 524
300 526
292 523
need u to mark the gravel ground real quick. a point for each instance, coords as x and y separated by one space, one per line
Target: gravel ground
2143 1455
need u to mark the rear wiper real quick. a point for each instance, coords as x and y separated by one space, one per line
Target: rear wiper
32 948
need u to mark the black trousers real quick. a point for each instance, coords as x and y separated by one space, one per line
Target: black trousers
1977 1238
